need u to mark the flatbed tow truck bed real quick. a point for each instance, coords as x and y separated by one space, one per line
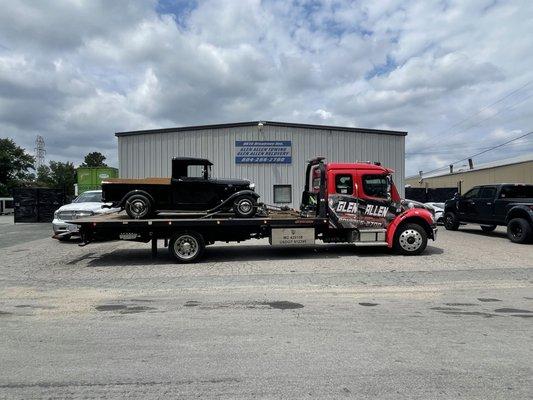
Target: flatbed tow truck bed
281 227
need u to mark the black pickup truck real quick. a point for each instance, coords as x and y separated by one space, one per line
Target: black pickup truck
190 189
508 205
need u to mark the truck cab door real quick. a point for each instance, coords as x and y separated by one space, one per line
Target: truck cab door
466 204
192 192
484 204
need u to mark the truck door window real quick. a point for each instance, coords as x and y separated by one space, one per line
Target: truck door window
472 193
376 186
487 193
517 192
195 171
344 184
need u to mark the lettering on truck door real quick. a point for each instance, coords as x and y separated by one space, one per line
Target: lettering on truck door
360 200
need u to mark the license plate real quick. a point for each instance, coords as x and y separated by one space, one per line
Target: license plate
292 236
73 228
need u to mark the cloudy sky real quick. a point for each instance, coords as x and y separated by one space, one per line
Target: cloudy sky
457 75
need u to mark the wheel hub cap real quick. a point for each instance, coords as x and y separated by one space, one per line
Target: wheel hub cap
410 240
245 206
186 247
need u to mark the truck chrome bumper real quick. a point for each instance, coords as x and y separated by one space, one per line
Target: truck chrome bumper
435 230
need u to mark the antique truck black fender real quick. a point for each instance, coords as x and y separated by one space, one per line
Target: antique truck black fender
243 203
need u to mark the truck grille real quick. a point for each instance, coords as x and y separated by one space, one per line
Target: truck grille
71 215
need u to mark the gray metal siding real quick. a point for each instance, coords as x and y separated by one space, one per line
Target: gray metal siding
148 155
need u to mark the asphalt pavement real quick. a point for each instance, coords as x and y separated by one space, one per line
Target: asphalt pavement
252 321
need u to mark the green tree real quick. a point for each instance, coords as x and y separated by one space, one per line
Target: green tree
15 164
62 176
94 159
43 176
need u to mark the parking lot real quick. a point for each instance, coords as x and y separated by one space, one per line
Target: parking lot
330 321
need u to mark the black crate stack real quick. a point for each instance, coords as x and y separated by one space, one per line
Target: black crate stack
37 204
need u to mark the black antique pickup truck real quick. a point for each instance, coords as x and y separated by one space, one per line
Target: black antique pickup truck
190 188
509 205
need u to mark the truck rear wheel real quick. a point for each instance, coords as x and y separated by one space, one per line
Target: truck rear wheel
519 230
187 247
451 223
410 239
244 207
138 206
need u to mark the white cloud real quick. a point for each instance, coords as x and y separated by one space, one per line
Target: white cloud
76 72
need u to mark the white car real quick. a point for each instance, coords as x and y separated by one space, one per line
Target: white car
85 205
439 211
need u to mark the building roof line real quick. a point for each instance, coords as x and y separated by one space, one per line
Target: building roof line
265 123
491 164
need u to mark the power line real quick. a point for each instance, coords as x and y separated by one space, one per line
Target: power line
486 107
480 153
442 149
508 107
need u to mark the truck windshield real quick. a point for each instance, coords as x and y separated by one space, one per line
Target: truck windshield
376 185
89 197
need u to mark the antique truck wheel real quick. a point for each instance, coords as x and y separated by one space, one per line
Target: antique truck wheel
244 207
138 206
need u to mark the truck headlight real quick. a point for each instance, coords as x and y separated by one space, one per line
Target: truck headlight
252 186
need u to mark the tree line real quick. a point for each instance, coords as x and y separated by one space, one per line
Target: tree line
17 169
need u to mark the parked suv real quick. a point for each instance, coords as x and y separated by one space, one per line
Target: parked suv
508 205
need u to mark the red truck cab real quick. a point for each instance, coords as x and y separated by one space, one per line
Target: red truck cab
364 207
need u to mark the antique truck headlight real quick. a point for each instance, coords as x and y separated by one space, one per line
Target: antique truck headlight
251 186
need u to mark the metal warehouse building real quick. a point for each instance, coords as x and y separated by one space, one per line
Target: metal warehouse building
273 155
512 170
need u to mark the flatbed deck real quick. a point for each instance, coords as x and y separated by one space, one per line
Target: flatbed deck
200 231
289 218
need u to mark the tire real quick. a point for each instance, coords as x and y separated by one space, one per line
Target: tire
451 223
187 247
244 206
138 206
410 239
519 230
488 228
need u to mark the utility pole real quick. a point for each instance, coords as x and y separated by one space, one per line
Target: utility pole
39 152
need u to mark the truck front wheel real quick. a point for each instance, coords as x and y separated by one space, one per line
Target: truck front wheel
187 247
138 206
244 207
451 223
519 230
410 239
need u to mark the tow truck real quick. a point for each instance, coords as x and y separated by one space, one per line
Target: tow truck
354 203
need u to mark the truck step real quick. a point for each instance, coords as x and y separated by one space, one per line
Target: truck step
370 244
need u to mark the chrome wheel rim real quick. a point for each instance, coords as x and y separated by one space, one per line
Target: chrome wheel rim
186 247
138 207
410 240
245 206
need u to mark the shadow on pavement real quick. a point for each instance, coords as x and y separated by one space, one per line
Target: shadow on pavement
479 232
142 256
